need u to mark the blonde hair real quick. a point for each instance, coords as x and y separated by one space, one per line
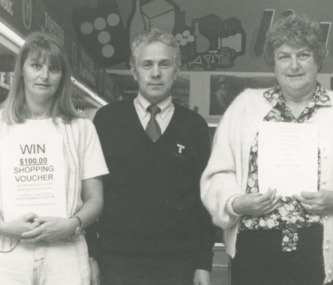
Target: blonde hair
40 45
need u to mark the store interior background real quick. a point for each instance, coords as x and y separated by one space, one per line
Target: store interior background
221 46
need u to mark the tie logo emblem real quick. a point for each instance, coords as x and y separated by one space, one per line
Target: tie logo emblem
180 148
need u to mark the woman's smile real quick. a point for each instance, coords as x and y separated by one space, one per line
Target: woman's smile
295 70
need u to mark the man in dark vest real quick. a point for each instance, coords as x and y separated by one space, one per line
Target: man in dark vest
154 229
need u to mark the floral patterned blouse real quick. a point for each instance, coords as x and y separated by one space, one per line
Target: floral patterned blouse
290 215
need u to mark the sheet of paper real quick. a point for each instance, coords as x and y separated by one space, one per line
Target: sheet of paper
288 157
32 172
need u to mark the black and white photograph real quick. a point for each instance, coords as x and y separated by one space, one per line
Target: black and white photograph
166 142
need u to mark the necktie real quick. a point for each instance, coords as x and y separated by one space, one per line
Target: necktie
153 129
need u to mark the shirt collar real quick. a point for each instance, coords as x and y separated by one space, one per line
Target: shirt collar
142 103
320 97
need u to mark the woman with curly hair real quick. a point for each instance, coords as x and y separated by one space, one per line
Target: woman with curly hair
275 239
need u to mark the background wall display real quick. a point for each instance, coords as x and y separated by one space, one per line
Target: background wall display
218 43
326 28
227 35
208 43
208 36
99 28
180 91
265 24
225 88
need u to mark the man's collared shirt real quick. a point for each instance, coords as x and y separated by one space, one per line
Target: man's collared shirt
163 118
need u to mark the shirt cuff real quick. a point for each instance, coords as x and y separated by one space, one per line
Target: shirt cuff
230 209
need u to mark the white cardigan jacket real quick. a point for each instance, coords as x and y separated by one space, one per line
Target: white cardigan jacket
227 171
